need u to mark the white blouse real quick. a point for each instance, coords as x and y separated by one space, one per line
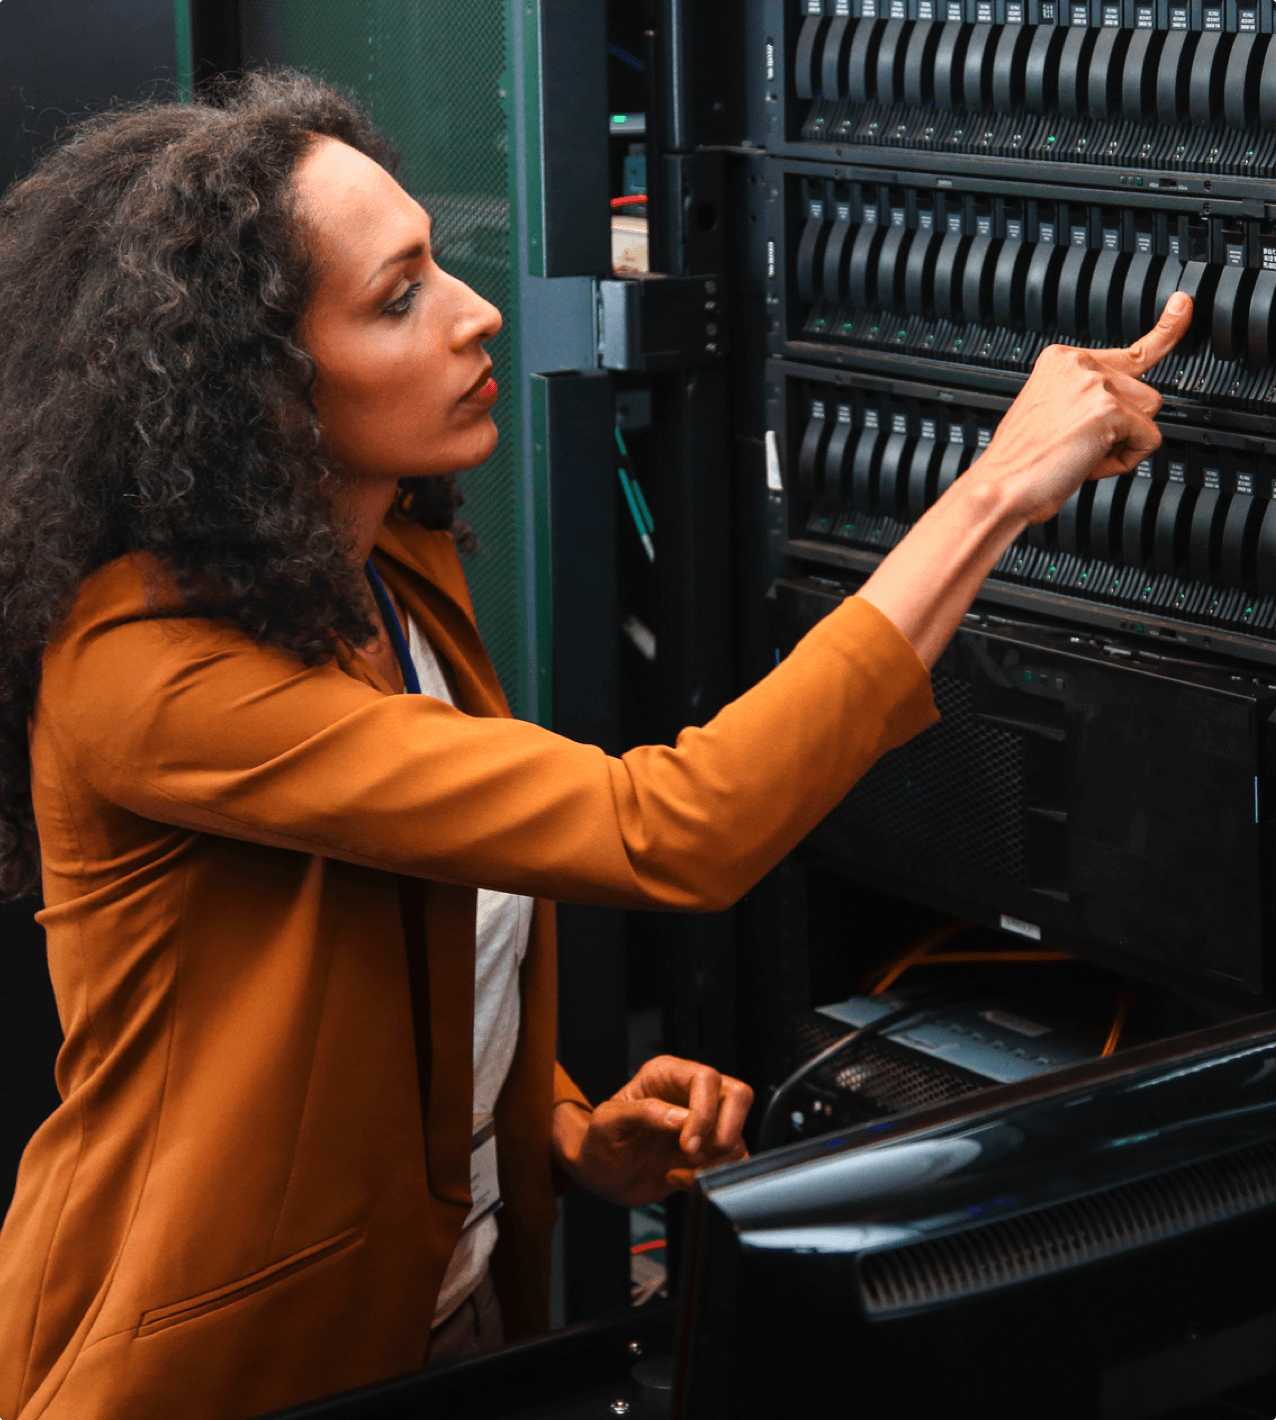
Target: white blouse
501 927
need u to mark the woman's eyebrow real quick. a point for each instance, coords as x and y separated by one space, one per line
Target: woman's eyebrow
412 253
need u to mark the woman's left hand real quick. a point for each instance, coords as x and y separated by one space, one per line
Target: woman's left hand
673 1118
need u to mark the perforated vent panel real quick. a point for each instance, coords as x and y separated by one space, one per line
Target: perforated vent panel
430 76
1070 1234
954 795
885 1078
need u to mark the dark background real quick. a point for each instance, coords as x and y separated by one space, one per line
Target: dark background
59 60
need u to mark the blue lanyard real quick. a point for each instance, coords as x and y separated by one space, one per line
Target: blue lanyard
411 681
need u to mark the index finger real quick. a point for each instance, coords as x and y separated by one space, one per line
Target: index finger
1163 337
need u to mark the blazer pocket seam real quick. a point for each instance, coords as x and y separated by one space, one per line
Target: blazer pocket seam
162 1318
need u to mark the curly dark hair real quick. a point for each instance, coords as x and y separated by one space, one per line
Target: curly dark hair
154 397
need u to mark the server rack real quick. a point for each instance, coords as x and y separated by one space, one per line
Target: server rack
866 219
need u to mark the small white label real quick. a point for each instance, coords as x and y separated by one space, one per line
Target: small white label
1248 21
1178 471
1244 482
1235 255
1111 239
983 12
983 437
1144 470
954 224
954 13
1143 242
1174 246
898 11
1269 258
870 9
1014 229
870 418
983 226
1112 17
928 428
1080 14
1143 18
774 483
770 60
926 9
897 216
1213 19
1079 237
899 424
817 409
1014 14
844 413
1019 927
1045 233
817 209
770 261
926 223
1178 19
870 214
843 211
1212 479
1018 1024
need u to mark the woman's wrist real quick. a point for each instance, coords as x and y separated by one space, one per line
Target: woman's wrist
568 1128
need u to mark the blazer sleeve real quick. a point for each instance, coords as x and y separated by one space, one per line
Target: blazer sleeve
192 724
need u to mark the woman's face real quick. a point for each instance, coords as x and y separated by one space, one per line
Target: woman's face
404 385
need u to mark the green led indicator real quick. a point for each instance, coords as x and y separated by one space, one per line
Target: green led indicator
1249 611
620 118
1138 626
1027 675
1052 569
1051 139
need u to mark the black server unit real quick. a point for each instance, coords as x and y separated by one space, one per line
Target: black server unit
939 189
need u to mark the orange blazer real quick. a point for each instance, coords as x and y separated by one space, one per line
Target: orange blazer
256 873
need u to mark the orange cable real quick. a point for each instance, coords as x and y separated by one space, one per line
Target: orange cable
880 977
1124 1004
647 1246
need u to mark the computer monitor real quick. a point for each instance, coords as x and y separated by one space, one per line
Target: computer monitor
1096 1243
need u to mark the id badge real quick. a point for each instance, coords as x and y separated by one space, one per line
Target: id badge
485 1189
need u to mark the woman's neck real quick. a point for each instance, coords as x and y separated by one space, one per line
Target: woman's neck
365 507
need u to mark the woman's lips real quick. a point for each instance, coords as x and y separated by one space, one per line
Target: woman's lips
483 391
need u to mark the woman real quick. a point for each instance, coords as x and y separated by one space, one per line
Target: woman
231 376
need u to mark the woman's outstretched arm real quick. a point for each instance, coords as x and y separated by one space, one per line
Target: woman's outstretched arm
194 725
1082 414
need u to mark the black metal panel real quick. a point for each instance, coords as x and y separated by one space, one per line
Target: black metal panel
62 61
574 159
579 417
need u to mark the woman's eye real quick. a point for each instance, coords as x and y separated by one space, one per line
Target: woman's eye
403 305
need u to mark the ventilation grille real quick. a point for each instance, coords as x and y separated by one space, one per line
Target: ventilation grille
954 795
882 1075
1067 1235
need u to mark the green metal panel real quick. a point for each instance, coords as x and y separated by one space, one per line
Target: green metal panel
431 73
185 59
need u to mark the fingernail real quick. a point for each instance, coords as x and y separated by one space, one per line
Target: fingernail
693 1145
675 1115
1176 303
